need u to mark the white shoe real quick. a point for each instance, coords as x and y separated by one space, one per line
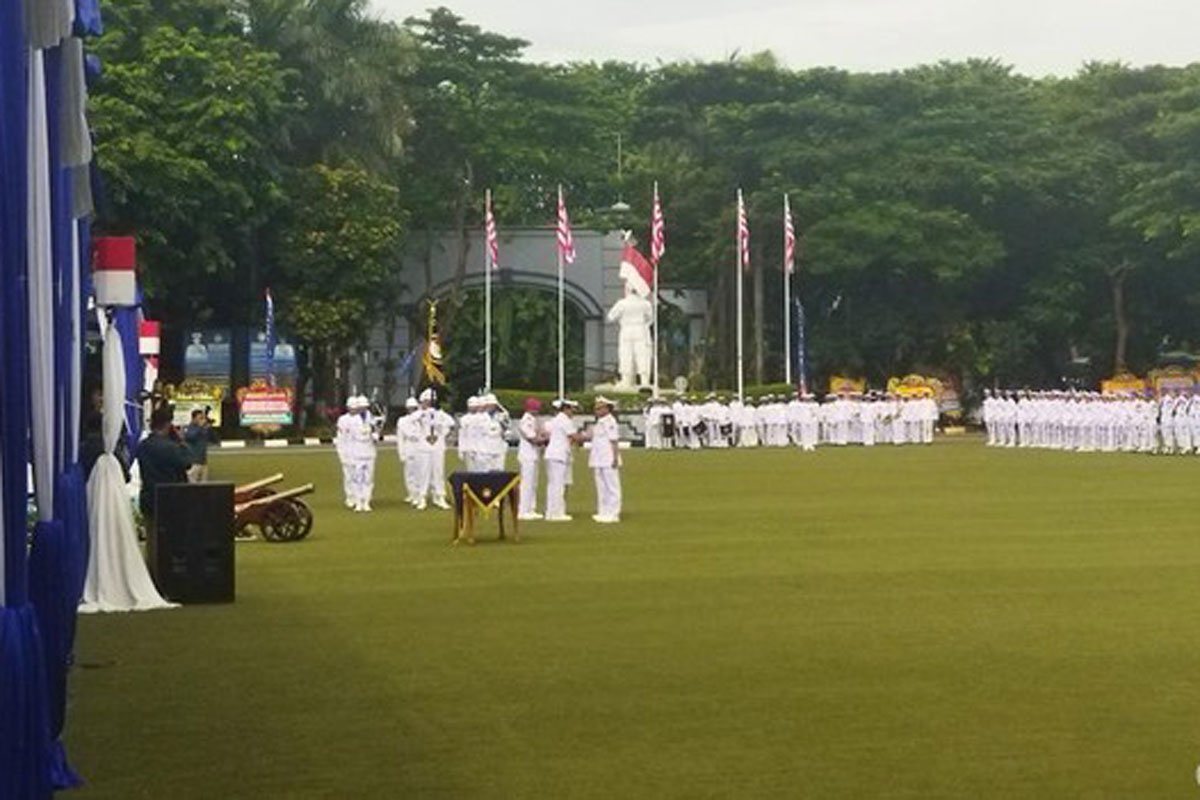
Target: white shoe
420 505
349 503
366 507
605 520
442 504
563 518
529 517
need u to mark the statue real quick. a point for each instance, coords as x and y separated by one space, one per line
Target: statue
635 315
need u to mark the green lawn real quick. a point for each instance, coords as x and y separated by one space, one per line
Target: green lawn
950 622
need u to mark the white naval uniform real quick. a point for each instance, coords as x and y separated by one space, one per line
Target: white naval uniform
529 457
408 436
341 443
558 461
493 447
605 459
433 426
361 450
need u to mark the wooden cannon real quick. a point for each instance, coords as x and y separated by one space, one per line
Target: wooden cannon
275 516
256 489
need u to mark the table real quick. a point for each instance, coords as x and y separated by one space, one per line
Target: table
476 492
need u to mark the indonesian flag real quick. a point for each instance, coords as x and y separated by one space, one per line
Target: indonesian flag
636 271
566 242
493 240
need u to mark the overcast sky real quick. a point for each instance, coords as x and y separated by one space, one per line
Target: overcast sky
1037 36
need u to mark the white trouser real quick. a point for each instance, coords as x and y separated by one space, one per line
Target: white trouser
410 476
556 488
809 434
436 473
608 492
747 436
490 462
416 474
347 478
362 479
529 486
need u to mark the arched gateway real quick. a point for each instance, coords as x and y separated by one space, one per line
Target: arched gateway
527 259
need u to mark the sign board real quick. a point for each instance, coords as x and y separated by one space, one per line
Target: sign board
263 407
207 357
192 396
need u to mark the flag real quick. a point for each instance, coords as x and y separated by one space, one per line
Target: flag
658 241
433 360
636 271
743 234
566 243
270 325
493 241
789 238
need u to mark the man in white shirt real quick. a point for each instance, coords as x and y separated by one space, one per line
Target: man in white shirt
561 432
341 443
361 449
434 426
605 460
493 430
467 436
408 436
529 455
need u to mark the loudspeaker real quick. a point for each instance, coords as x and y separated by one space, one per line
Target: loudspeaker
191 545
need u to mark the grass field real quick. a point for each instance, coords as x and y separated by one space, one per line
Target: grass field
946 622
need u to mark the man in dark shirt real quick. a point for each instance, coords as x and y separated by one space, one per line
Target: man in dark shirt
162 457
197 436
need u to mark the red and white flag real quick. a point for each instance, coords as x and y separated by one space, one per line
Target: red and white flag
493 240
566 243
636 271
658 239
789 238
743 234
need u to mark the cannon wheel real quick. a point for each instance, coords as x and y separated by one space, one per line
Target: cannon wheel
306 519
282 522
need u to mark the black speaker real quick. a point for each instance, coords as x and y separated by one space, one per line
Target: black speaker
191 545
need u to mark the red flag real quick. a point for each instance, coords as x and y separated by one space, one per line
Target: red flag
789 238
636 270
493 241
566 243
658 240
743 234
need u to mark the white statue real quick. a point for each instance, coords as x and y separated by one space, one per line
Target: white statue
635 315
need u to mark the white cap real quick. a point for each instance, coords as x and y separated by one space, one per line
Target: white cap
490 399
427 396
410 402
472 402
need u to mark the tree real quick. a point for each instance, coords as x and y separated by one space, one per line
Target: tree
186 115
338 249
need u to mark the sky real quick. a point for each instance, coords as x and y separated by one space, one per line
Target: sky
1038 37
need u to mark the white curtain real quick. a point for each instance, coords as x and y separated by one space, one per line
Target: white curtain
76 398
117 578
41 297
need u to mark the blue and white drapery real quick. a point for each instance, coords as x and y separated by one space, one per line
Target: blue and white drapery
44 152
117 578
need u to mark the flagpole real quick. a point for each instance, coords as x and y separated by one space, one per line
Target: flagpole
738 274
487 304
787 298
561 337
657 341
